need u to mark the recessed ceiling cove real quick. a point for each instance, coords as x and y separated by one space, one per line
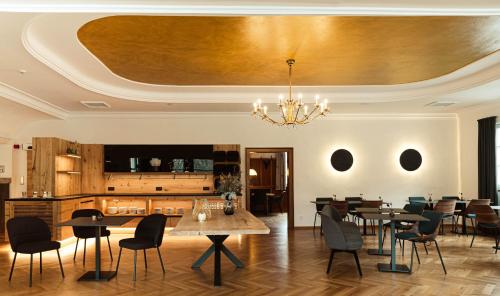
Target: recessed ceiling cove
251 50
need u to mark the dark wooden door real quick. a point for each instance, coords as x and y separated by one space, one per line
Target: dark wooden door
4 194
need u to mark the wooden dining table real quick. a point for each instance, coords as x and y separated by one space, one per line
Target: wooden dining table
218 228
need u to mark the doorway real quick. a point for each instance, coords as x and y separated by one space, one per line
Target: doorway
269 184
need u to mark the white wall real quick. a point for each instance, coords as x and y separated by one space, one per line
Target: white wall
6 160
468 130
375 143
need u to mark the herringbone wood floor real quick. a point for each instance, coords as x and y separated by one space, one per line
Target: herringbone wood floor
281 263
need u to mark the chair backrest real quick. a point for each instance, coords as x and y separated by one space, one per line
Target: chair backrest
486 215
430 227
416 199
471 207
445 206
82 231
353 206
415 208
332 232
323 201
458 206
449 197
341 206
371 203
332 213
23 230
152 228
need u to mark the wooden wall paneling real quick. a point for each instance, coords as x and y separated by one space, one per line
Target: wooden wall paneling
137 183
43 165
93 180
29 172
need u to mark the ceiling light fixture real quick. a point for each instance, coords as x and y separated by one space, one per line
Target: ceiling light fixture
293 111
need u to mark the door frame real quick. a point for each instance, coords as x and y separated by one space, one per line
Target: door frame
289 151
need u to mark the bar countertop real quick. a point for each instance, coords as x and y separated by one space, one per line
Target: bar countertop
159 195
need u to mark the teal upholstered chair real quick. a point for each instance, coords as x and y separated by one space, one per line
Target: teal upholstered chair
423 232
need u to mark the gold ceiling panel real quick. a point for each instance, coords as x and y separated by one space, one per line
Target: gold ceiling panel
251 50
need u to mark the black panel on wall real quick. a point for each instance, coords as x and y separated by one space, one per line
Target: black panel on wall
117 157
341 160
410 159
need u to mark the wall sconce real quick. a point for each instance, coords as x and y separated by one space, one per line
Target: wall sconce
252 172
21 181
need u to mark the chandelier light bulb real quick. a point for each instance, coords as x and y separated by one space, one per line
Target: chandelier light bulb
305 110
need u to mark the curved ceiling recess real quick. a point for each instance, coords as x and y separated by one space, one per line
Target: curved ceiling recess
193 55
249 50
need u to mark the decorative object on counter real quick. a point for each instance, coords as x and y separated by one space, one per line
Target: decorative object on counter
203 165
169 211
187 165
180 211
123 210
72 148
157 211
202 217
201 205
228 187
155 164
35 194
141 211
133 210
134 164
178 165
112 210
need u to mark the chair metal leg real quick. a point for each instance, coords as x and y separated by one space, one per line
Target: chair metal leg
497 241
314 224
357 262
135 264
161 261
76 248
411 258
119 257
12 268
403 249
84 250
31 269
330 262
145 260
426 251
109 245
40 262
416 252
473 237
440 257
60 263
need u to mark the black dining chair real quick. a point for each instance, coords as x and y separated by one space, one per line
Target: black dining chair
31 235
412 208
424 232
320 203
148 235
82 232
353 202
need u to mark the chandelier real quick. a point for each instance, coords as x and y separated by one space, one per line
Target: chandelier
293 111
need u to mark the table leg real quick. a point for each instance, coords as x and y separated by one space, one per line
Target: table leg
232 257
198 263
380 251
97 275
364 226
218 240
393 267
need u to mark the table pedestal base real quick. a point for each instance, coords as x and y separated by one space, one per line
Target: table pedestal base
397 268
377 252
103 276
216 248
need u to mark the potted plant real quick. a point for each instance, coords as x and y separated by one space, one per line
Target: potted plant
229 186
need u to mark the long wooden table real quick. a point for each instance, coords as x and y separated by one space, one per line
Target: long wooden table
217 229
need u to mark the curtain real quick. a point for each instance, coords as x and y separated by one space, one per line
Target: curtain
486 159
280 171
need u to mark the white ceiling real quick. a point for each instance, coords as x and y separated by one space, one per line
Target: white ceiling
60 72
